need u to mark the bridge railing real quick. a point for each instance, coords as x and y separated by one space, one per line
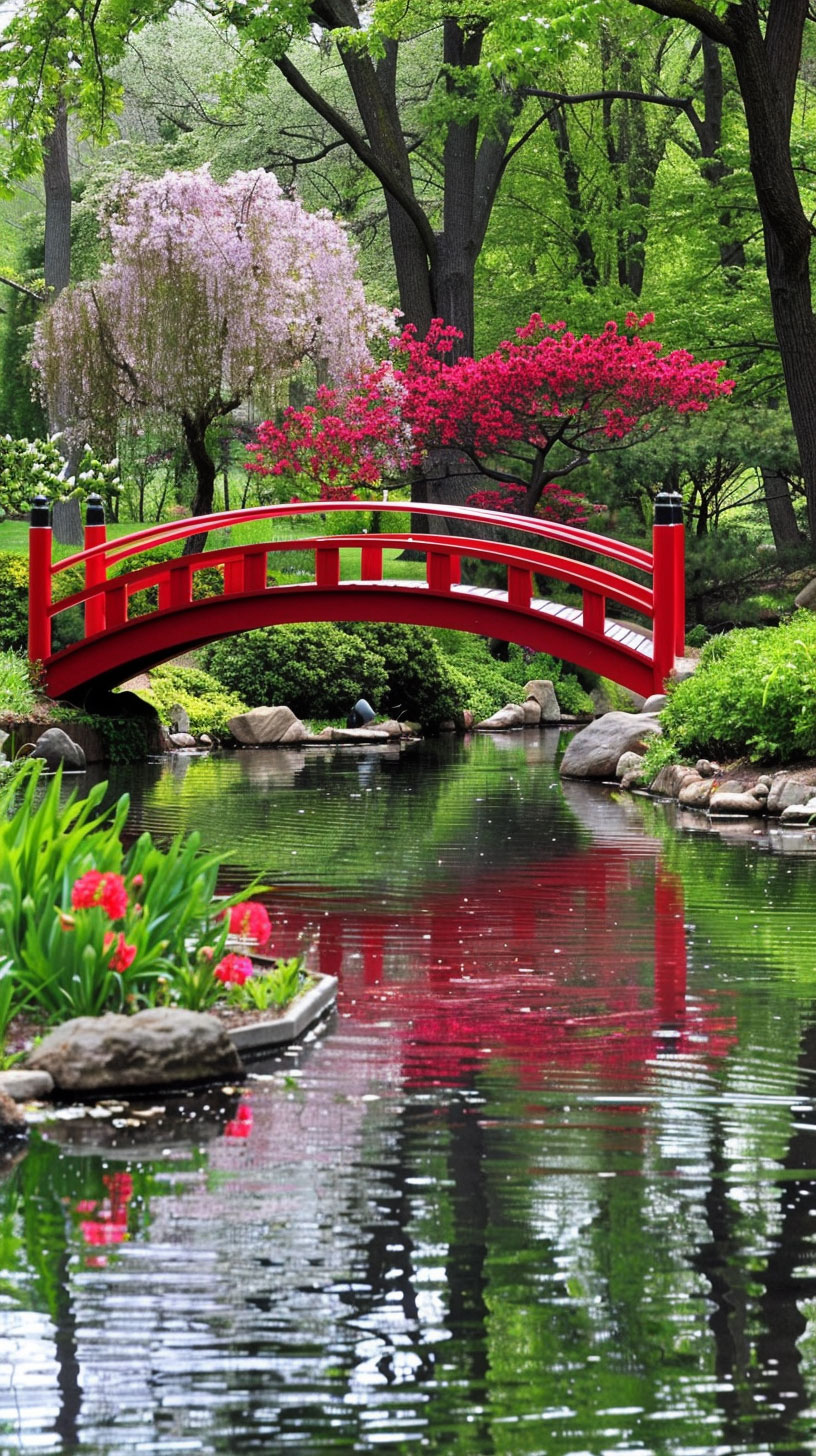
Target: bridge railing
106 599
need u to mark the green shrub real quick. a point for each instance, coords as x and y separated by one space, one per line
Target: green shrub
208 707
316 670
420 687
13 601
16 692
754 692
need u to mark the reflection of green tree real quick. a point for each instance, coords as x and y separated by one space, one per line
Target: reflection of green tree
340 819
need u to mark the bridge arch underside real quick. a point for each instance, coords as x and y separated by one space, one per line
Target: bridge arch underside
111 657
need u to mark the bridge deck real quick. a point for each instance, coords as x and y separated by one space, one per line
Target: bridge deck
616 631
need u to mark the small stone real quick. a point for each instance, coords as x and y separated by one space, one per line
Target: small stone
182 740
706 769
796 814
12 1117
262 726
670 779
25 1086
205 740
760 790
655 703
696 793
628 763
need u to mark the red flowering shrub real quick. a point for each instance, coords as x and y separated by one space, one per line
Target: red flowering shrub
545 387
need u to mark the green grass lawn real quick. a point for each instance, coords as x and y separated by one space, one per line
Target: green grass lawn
14 537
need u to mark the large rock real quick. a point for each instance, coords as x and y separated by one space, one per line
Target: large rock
57 748
543 693
595 751
510 716
732 801
262 726
159 1047
790 787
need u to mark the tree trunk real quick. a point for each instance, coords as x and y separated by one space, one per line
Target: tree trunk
781 514
57 184
195 436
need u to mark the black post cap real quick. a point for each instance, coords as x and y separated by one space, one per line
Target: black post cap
677 506
40 513
94 511
663 509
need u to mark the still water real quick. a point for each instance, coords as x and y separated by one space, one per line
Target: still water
544 1184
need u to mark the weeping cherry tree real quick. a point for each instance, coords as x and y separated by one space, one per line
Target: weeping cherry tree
213 290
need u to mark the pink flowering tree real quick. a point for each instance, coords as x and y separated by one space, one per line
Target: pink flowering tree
525 415
213 291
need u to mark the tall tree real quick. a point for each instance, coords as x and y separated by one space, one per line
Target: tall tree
765 44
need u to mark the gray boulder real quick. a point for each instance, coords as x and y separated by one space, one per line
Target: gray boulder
182 740
671 778
263 726
655 703
732 801
510 716
790 787
25 1086
628 763
179 719
696 793
159 1047
595 751
542 692
798 813
57 748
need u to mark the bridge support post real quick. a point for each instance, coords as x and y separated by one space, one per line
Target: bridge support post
668 584
39 580
95 569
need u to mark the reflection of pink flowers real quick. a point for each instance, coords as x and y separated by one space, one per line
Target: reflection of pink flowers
233 969
109 1226
123 954
250 920
240 1126
106 890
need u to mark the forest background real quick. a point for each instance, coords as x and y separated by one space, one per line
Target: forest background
490 161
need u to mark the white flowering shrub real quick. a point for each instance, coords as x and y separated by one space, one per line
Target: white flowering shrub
36 467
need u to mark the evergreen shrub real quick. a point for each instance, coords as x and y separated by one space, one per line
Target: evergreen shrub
319 671
202 696
754 692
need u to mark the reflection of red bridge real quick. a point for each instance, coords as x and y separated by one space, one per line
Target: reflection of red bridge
544 967
116 644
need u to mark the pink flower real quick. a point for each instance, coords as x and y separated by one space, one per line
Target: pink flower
123 955
233 970
240 1126
250 919
106 890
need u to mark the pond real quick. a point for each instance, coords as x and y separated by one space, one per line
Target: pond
544 1183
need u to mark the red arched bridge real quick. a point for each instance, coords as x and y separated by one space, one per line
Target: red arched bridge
599 634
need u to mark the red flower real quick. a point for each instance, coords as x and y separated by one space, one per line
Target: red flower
250 920
233 970
105 890
123 955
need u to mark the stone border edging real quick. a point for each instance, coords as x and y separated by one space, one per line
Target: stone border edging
311 1005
